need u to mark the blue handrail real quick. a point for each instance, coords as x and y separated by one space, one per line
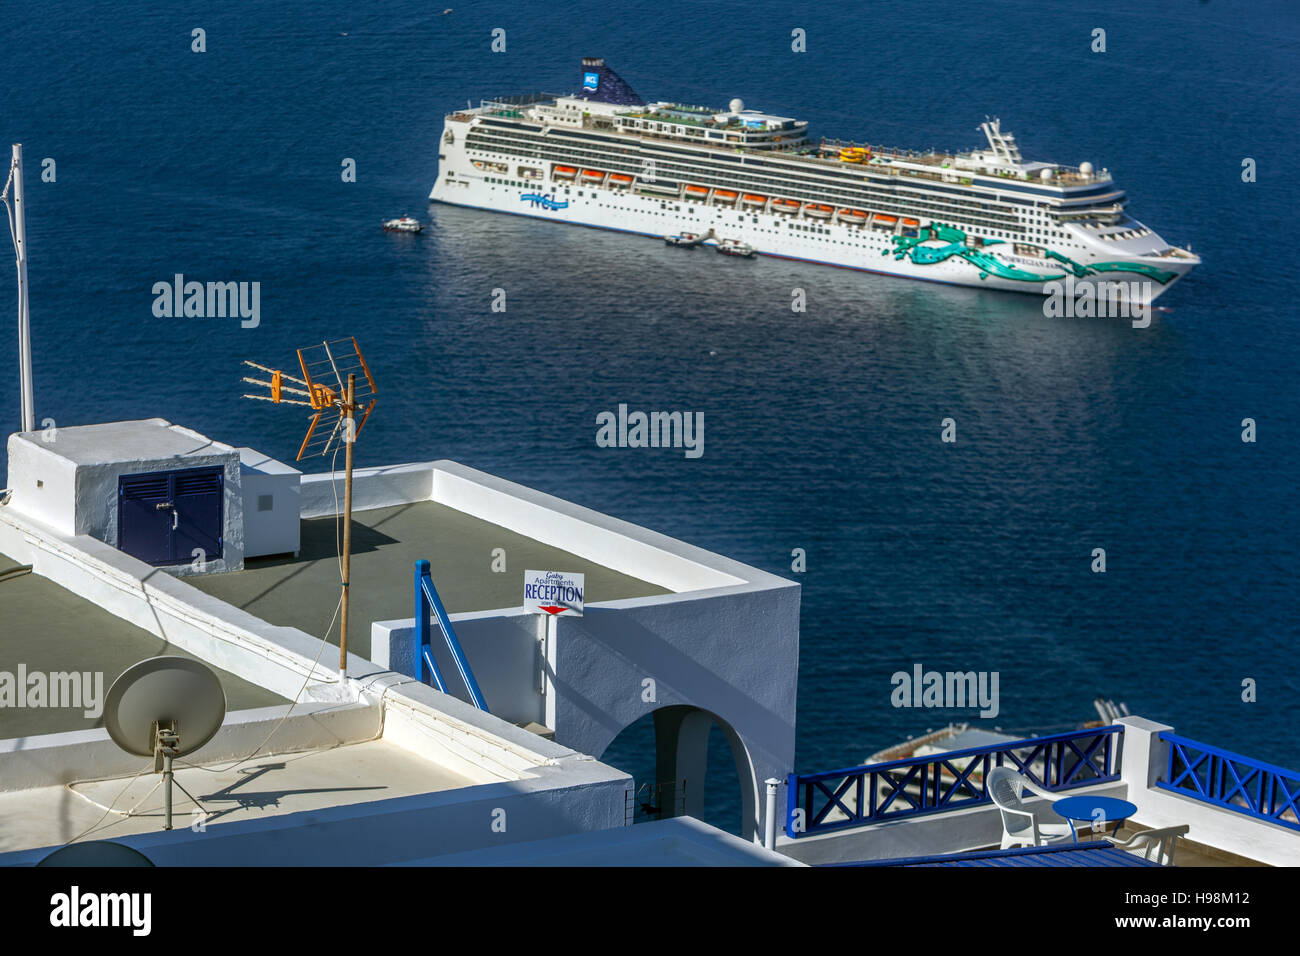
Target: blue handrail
917 785
1228 780
426 599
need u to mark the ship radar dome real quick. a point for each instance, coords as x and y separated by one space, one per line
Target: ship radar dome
737 105
1085 168
1045 175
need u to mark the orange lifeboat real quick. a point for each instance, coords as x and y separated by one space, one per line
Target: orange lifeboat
856 216
820 210
725 195
593 175
619 178
697 191
785 205
750 199
565 172
910 223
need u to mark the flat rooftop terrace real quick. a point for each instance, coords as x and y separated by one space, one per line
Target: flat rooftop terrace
386 542
45 628
265 786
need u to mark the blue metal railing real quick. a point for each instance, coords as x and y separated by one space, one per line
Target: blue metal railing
947 781
426 601
1231 781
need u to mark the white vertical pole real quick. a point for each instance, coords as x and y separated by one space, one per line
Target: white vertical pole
552 631
24 320
769 825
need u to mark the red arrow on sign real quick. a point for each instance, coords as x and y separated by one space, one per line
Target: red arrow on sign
552 609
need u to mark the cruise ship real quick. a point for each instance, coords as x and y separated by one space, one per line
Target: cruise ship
604 157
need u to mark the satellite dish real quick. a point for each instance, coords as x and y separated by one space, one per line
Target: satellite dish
96 853
165 707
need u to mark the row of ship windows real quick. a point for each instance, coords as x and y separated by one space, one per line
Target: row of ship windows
510 143
665 209
942 213
989 233
988 216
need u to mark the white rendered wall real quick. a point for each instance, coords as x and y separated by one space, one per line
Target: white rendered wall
44 484
727 643
278 530
502 650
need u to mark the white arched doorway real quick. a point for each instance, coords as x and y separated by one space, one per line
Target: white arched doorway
681 765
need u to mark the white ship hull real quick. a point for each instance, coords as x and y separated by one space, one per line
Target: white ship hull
493 183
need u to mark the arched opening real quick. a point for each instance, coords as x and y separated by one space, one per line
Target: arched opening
687 761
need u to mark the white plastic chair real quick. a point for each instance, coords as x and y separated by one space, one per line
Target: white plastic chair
1157 845
1020 826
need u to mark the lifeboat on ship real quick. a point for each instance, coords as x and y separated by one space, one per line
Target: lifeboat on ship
725 195
620 179
785 205
884 220
565 172
752 199
593 176
697 192
820 210
910 223
854 217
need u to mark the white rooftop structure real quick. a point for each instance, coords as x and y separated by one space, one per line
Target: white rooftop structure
390 768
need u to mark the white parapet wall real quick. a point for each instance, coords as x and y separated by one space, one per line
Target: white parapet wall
725 644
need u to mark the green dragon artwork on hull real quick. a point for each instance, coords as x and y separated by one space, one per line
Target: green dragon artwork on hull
988 264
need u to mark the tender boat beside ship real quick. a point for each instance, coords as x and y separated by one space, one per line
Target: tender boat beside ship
404 224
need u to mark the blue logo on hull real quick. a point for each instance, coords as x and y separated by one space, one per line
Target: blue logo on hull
546 202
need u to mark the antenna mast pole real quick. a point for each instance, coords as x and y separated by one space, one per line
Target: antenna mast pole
349 439
24 319
319 361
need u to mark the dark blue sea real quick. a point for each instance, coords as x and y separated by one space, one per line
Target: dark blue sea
822 428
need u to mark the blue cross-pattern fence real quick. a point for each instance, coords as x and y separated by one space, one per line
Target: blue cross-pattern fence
914 786
1231 781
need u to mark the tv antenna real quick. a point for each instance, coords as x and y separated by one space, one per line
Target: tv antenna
329 386
165 707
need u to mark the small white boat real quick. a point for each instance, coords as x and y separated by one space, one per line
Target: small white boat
686 239
733 247
404 224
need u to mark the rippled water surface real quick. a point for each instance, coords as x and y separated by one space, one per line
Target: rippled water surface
822 428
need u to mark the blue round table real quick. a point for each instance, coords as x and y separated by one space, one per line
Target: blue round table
1090 809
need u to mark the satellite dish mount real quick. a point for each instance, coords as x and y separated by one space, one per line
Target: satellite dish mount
165 707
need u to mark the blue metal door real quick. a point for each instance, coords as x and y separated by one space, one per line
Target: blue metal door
144 520
164 517
196 497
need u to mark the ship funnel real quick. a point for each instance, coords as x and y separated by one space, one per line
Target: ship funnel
600 84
